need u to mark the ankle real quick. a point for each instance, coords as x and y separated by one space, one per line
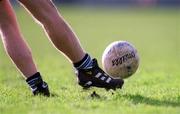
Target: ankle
35 82
84 63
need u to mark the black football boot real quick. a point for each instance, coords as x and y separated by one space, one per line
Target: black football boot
96 77
41 89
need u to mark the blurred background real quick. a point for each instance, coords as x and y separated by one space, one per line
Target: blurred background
167 3
124 2
153 26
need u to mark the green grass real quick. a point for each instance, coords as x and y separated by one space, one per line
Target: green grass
154 89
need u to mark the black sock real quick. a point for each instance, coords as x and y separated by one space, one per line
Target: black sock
34 81
85 63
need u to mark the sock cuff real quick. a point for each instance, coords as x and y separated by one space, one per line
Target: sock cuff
85 63
36 75
77 64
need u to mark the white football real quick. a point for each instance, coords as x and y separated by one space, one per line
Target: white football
120 59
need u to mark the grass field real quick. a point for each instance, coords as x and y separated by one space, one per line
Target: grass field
154 89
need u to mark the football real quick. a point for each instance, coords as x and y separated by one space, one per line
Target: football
120 59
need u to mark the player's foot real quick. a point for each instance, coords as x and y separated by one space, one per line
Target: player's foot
41 89
96 77
37 85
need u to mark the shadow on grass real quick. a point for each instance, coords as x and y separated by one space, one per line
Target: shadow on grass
54 95
139 99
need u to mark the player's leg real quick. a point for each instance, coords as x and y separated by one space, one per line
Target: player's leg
67 42
14 44
58 30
